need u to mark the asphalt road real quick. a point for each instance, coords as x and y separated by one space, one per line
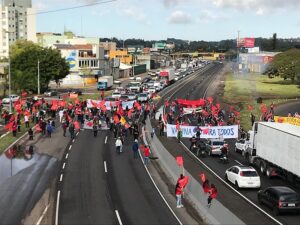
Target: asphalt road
195 89
89 195
291 107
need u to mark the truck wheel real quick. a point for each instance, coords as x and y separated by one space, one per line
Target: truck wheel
262 168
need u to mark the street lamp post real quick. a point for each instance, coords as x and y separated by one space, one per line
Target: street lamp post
9 85
39 88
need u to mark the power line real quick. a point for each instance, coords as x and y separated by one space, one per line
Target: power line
74 7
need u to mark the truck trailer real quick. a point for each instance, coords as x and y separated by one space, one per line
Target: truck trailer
167 75
105 82
274 148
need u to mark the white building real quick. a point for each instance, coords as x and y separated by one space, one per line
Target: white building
18 21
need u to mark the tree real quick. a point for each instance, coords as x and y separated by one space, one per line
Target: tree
274 42
25 56
286 65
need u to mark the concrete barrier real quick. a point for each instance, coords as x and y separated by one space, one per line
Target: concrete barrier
217 213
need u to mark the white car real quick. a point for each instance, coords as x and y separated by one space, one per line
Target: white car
13 99
241 145
116 95
143 97
121 90
243 176
131 96
152 90
138 78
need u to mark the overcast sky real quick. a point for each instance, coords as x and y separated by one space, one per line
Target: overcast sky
209 20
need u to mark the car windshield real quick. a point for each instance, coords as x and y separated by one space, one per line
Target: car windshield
289 198
249 173
218 143
143 95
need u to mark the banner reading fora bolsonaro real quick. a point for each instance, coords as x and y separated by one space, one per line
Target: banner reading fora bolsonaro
290 120
223 132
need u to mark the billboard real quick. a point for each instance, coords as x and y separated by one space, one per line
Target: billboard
246 42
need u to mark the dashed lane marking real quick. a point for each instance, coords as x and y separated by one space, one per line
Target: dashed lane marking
118 217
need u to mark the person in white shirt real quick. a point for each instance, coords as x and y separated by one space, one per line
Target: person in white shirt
119 145
26 120
61 114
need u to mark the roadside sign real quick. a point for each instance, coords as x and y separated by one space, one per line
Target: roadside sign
4 64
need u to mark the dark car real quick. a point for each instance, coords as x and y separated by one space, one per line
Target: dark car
76 91
279 199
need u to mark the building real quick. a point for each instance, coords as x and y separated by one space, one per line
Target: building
123 55
85 62
18 21
255 62
50 39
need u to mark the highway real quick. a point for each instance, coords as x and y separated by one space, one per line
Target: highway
245 207
98 186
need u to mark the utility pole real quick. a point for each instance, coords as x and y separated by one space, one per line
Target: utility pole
238 52
9 83
39 88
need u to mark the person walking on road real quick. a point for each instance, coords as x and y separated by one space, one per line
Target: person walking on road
64 127
49 129
95 130
72 130
30 133
178 193
212 194
135 149
118 145
147 153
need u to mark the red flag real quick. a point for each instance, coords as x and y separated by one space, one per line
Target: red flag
76 101
27 113
177 126
127 125
9 126
62 103
121 111
263 108
116 119
166 103
250 108
24 94
218 106
237 113
179 160
231 108
183 182
94 104
202 177
38 128
77 125
210 100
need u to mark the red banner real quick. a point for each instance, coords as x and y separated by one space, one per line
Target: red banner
179 160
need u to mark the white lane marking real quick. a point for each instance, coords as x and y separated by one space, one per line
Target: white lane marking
105 140
57 208
105 167
67 155
77 134
240 194
42 216
161 195
73 140
3 135
61 178
238 162
70 147
119 218
64 166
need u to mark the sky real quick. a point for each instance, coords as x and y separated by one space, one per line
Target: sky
209 20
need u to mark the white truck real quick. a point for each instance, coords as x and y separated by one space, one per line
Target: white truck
105 82
275 149
167 75
134 86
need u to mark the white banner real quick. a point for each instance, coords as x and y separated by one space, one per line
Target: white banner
223 132
191 110
109 103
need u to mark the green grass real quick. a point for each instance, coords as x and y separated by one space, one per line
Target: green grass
9 139
95 96
243 90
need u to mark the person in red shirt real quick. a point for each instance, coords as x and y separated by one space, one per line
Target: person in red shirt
212 194
147 153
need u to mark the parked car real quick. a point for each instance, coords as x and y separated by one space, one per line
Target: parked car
280 199
241 145
131 96
50 93
138 78
121 90
213 146
13 98
243 176
116 95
